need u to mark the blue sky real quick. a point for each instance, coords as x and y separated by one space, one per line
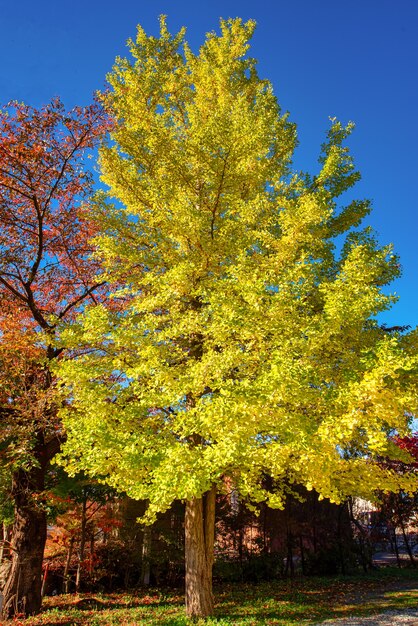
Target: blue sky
353 59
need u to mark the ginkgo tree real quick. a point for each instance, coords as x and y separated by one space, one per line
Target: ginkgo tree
247 346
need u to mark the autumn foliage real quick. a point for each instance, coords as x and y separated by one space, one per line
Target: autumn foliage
46 275
45 263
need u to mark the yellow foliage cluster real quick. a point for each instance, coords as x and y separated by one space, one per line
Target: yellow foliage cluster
244 345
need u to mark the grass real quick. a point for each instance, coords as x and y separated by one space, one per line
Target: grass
301 602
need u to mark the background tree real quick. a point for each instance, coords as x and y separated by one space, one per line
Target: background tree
399 510
248 346
46 275
307 535
82 514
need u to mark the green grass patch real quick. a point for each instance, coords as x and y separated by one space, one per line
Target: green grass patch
300 602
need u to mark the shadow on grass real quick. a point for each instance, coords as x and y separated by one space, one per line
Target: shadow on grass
311 614
109 606
283 603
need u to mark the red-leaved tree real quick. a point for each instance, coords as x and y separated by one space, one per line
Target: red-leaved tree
399 510
46 276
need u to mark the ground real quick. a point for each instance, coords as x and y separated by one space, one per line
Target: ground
299 602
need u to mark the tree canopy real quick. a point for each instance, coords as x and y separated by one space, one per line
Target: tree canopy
246 343
46 275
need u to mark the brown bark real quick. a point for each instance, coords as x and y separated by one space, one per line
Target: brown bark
91 554
199 545
365 550
396 548
44 579
146 556
340 538
66 575
22 592
3 541
82 545
407 544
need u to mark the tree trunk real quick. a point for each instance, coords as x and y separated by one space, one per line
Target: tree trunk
91 555
66 575
289 539
82 545
395 545
4 544
364 543
407 544
146 556
302 555
44 579
22 592
3 541
341 508
199 545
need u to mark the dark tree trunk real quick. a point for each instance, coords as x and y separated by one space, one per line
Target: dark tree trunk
4 543
289 537
364 543
199 545
22 592
44 579
340 540
302 555
290 565
66 575
146 556
3 540
82 545
92 537
395 545
407 545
